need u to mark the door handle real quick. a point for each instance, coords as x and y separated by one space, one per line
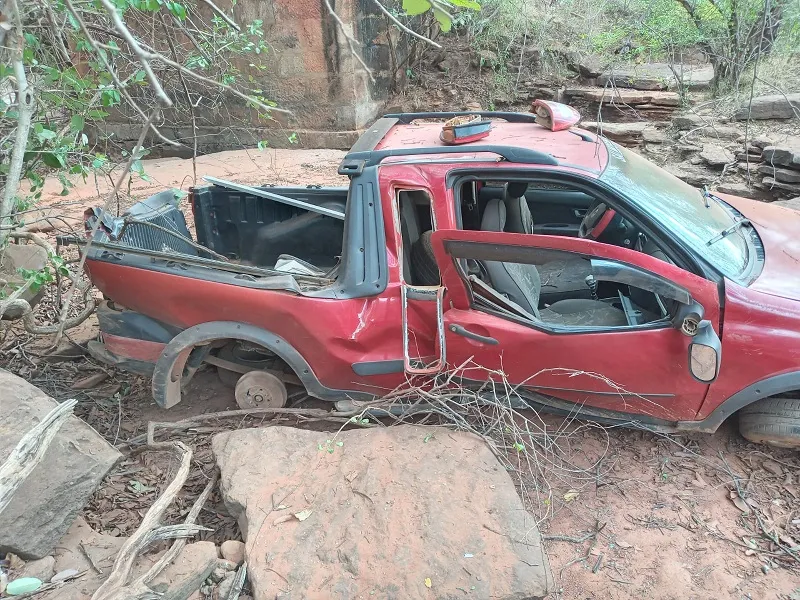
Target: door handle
459 330
580 212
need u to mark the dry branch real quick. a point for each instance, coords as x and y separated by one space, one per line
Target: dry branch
25 110
30 450
116 586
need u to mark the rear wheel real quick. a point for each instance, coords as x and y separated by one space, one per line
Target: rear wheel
772 421
259 389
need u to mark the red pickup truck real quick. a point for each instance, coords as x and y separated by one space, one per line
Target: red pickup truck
593 280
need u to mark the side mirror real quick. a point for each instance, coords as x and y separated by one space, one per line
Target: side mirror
705 353
687 318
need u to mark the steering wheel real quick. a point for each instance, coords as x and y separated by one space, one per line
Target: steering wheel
595 221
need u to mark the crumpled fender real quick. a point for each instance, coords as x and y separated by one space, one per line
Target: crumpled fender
168 372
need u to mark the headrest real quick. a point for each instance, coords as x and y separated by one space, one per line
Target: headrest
494 216
492 192
516 189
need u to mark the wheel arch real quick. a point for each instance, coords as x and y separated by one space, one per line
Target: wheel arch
169 369
766 388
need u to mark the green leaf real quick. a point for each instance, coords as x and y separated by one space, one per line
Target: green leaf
416 7
76 123
53 160
45 134
444 18
471 4
109 97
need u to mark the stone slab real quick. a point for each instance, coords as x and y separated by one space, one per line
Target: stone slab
386 514
47 502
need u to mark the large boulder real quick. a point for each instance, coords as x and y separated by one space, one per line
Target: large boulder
774 106
47 502
397 512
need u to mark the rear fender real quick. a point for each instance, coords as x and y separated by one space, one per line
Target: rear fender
169 370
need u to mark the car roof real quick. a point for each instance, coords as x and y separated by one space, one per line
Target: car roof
522 141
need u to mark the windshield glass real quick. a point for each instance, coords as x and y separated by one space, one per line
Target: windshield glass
679 207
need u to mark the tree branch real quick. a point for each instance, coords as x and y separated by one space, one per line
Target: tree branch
410 32
26 104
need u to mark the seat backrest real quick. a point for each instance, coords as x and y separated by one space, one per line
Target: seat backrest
520 283
519 217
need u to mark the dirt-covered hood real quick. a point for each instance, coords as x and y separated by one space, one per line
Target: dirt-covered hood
779 229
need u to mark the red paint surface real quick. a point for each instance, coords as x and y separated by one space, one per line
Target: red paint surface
564 145
143 350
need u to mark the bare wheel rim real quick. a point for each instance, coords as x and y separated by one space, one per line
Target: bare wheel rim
259 389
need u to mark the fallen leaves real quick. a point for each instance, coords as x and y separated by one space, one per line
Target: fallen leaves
428 582
571 495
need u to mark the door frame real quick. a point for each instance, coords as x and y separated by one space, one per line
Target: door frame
513 247
678 253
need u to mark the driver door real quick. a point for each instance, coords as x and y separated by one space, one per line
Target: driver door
633 369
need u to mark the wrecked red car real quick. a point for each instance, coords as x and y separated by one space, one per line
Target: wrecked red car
592 280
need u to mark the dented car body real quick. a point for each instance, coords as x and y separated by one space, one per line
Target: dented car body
597 283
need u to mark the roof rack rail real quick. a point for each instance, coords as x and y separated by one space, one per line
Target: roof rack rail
355 162
511 117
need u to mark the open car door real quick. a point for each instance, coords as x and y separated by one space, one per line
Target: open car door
653 363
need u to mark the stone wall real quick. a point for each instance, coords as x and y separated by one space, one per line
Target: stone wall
309 70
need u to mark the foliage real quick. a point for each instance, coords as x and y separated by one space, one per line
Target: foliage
76 93
728 31
442 9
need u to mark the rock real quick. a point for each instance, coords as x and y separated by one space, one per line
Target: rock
722 132
747 167
227 565
21 256
696 160
47 502
233 551
692 174
627 134
63 575
659 76
225 586
748 157
186 574
792 203
71 553
653 135
774 106
379 527
218 574
485 58
42 568
787 155
744 191
716 156
622 96
762 141
771 182
684 121
781 174
589 67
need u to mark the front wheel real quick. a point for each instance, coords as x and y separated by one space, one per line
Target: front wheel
772 421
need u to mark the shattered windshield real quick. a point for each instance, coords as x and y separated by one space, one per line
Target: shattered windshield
679 207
